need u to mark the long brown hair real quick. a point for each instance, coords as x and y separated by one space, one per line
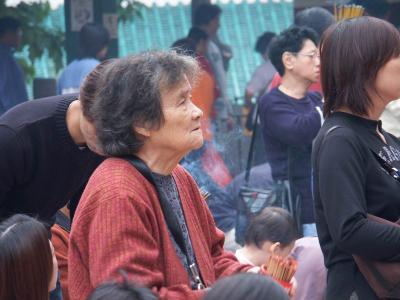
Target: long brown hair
352 53
26 264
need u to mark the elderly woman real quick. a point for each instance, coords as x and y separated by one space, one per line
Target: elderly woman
123 222
353 156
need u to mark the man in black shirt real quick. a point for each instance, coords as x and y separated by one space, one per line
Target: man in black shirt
44 161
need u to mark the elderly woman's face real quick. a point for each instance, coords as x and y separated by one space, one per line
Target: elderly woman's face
181 130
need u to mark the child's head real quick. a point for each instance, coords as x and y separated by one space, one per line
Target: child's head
273 231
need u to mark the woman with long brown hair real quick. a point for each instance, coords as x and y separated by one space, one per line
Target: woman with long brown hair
354 159
28 268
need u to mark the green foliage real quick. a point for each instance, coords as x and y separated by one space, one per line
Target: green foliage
37 36
128 10
28 69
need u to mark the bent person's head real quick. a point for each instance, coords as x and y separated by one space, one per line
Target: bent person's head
145 102
87 97
28 269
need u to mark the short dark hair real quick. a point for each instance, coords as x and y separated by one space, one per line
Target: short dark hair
347 72
131 96
246 286
185 46
9 24
121 291
274 224
196 34
26 260
316 18
290 40
90 87
263 42
205 13
92 39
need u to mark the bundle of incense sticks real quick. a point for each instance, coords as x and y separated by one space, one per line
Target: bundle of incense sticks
281 269
348 11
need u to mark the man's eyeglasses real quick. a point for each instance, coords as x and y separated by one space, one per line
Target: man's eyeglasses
314 55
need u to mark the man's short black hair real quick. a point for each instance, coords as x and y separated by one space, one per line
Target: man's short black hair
204 13
9 24
290 40
92 39
263 42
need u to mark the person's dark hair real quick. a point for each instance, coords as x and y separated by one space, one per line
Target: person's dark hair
26 261
263 42
316 18
92 39
374 8
185 46
347 72
274 224
121 291
188 45
205 13
9 24
131 96
290 40
246 286
90 87
197 35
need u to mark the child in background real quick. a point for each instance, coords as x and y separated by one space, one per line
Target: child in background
274 232
271 232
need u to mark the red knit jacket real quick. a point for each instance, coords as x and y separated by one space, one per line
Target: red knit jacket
119 224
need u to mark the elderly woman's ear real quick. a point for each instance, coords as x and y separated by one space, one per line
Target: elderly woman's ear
141 131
